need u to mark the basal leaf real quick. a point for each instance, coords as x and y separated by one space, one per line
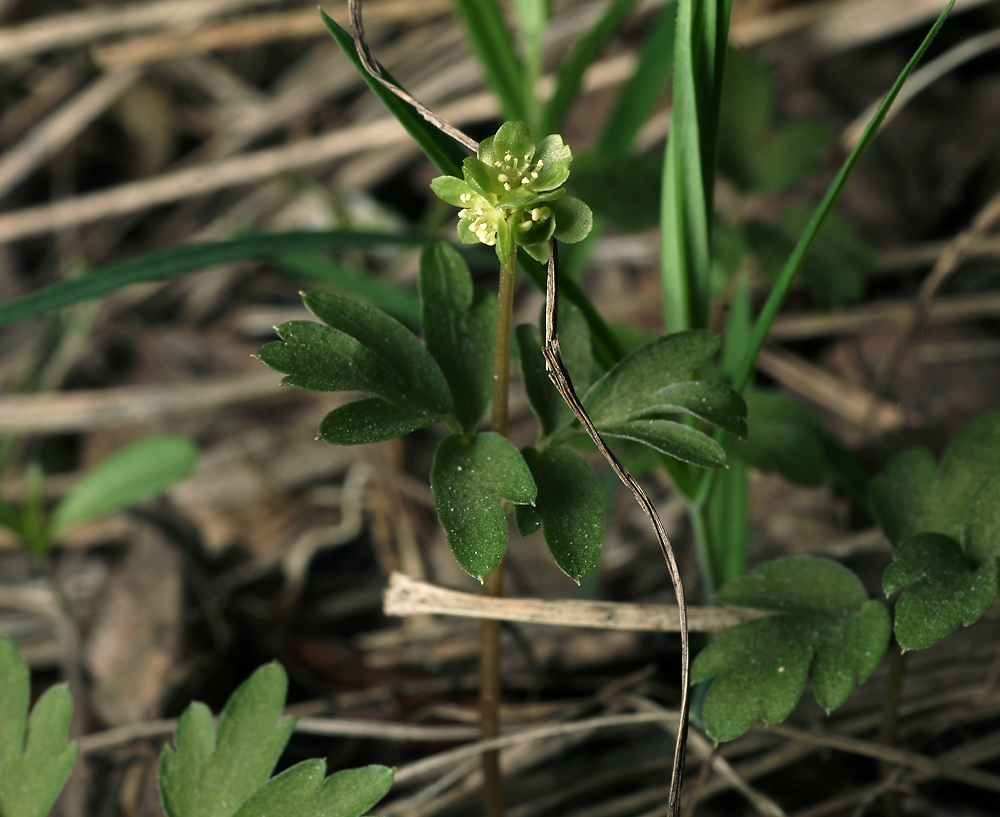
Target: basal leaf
301 791
133 474
914 496
372 420
569 507
632 384
420 378
458 320
713 402
824 626
574 340
674 439
941 590
211 772
470 478
35 758
981 534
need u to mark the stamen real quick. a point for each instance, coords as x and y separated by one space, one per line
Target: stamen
506 187
506 158
524 226
534 174
539 164
527 157
502 177
525 180
536 214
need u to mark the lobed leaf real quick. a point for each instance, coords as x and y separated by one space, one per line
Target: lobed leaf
458 320
569 508
301 791
824 626
211 772
133 474
672 438
713 402
35 758
941 589
372 420
470 478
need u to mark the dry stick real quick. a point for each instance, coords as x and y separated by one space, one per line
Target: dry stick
559 375
955 253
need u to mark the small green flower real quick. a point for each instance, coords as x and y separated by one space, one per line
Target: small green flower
512 194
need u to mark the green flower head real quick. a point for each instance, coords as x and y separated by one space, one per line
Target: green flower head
511 194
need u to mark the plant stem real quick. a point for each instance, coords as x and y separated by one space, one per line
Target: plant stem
489 634
889 729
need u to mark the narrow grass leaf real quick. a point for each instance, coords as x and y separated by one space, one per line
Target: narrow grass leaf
133 474
579 59
485 30
35 758
210 772
643 89
158 266
441 149
470 478
741 376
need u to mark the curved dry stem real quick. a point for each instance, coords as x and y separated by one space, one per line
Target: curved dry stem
372 67
559 375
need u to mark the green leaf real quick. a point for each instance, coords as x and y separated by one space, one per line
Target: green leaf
372 420
746 109
470 478
640 94
981 534
913 497
440 148
212 772
573 219
35 758
135 473
569 507
783 436
574 340
783 285
362 348
401 303
579 59
713 402
301 791
631 386
941 590
825 626
488 37
668 437
158 266
458 320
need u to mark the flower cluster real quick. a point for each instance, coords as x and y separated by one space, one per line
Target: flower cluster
512 195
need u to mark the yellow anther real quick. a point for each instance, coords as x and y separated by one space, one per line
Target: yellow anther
536 214
539 164
506 187
525 180
534 174
502 177
524 226
506 158
527 157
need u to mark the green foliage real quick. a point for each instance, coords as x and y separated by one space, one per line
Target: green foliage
824 626
135 473
943 521
222 771
35 758
511 194
470 479
783 437
941 589
458 320
569 508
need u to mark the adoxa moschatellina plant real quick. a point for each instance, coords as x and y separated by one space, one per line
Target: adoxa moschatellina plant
512 195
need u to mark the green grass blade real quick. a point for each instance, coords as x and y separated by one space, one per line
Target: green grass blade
741 376
689 166
401 303
441 149
643 89
170 263
579 59
487 34
532 18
